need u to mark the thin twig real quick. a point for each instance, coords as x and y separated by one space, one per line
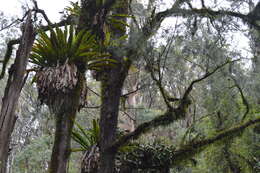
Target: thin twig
245 102
187 92
93 91
37 10
129 116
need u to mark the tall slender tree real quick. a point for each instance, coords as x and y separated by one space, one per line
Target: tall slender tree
12 91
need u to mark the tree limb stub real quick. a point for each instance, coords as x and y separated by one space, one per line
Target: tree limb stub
7 56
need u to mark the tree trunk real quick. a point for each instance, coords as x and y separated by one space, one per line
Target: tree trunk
12 91
93 18
111 89
111 84
132 99
64 118
61 148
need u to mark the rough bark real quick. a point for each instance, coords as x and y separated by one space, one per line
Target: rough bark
112 81
93 18
64 118
111 92
12 91
255 46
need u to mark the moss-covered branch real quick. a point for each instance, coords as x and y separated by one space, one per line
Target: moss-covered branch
206 12
171 115
188 150
157 156
154 21
245 102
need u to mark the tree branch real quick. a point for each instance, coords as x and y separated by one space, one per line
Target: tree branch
188 150
154 22
168 117
166 96
158 82
205 12
67 21
188 90
150 27
37 10
173 156
7 56
171 115
245 102
15 21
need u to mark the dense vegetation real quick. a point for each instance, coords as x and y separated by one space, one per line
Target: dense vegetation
132 86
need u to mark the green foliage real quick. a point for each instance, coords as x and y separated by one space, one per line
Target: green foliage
155 155
86 138
73 9
117 23
90 137
68 46
147 114
34 157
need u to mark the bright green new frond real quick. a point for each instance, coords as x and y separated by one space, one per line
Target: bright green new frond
114 21
86 138
77 137
65 45
122 15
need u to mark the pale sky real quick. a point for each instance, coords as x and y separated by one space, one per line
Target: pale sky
51 7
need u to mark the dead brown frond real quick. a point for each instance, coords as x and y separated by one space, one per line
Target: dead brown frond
56 83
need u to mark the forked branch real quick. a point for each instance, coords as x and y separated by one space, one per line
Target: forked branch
171 115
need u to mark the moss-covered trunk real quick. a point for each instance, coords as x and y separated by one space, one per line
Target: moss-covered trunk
64 116
61 148
94 17
111 84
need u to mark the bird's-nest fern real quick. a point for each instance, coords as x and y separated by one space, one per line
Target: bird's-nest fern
67 46
62 56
